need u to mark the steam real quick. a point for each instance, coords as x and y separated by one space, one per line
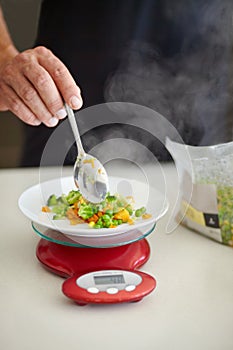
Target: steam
191 88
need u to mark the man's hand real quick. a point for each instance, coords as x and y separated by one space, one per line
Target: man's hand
34 85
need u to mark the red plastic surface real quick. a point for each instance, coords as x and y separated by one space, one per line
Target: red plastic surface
83 297
73 262
65 260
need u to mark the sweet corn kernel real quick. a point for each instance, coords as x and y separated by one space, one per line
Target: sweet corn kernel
146 216
91 224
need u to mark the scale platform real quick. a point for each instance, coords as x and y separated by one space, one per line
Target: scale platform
72 260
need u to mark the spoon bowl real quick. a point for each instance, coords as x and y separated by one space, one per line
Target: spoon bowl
91 178
90 175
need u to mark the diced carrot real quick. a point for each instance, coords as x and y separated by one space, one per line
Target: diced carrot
130 221
75 211
75 205
93 218
72 213
46 209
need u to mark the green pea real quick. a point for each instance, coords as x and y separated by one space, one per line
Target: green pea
109 212
99 222
129 209
97 226
115 222
140 212
58 217
105 217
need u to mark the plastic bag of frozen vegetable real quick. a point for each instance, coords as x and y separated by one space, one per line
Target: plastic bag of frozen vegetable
209 178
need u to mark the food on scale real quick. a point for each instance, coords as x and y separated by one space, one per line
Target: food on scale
112 212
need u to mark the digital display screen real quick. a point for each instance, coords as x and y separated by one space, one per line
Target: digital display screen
109 279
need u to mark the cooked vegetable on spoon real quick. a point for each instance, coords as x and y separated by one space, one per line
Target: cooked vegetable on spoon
89 174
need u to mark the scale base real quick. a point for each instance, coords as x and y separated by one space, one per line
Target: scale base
66 261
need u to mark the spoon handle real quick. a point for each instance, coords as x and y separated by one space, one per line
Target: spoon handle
75 130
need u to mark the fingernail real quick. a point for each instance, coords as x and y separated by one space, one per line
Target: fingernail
61 114
36 122
53 121
75 102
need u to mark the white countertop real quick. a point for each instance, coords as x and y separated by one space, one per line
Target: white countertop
191 308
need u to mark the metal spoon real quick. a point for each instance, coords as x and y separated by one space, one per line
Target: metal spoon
89 174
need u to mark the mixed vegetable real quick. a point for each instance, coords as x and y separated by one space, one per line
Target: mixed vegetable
112 212
225 210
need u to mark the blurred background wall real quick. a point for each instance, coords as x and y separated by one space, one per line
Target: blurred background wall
21 17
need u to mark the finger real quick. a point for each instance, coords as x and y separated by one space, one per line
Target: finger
62 78
16 106
31 99
46 88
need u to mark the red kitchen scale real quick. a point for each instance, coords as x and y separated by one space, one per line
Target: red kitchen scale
98 274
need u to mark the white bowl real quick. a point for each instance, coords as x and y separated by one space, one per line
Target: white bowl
34 198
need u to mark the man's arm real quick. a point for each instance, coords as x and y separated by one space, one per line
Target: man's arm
34 83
